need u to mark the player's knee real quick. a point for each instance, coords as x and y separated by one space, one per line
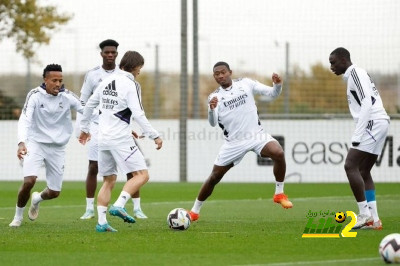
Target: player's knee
348 166
93 168
145 177
109 183
278 155
29 182
365 173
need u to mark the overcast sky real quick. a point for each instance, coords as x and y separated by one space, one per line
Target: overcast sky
249 35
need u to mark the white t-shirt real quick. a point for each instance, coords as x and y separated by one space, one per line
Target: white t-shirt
365 103
46 118
92 79
236 112
118 98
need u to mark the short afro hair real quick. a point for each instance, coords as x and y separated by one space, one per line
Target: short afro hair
108 42
221 63
51 67
341 52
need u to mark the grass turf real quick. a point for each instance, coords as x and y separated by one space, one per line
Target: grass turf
239 225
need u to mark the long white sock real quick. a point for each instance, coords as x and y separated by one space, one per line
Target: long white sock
102 214
37 198
374 210
90 204
279 187
363 208
197 206
136 204
122 199
19 213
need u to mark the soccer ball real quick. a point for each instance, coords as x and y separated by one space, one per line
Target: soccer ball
178 219
389 248
340 217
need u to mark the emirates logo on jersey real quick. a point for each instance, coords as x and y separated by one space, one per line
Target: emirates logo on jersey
236 101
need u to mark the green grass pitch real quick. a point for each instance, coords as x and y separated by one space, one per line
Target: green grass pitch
239 225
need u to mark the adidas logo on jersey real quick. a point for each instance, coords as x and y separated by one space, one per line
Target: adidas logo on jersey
110 89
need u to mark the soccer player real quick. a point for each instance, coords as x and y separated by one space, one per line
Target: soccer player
372 124
93 77
119 100
232 106
44 129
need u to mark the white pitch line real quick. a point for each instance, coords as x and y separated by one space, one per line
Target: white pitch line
215 232
314 262
330 198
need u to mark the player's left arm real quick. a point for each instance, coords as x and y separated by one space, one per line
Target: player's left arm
75 102
272 92
362 87
139 116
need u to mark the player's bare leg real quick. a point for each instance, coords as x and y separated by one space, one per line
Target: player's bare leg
274 151
365 170
131 186
357 185
103 199
207 188
137 208
24 194
37 197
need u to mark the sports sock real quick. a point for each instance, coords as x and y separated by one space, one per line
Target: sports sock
374 210
122 199
363 207
102 214
197 206
370 196
89 203
19 213
136 204
279 187
37 199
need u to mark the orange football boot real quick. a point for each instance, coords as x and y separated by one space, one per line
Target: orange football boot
283 200
194 216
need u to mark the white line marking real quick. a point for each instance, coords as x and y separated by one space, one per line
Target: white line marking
314 262
215 232
331 198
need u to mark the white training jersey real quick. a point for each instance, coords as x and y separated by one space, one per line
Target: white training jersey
92 79
365 103
236 112
46 118
118 98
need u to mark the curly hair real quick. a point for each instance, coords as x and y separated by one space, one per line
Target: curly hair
51 67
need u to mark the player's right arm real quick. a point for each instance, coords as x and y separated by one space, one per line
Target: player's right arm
213 110
87 89
25 122
361 83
